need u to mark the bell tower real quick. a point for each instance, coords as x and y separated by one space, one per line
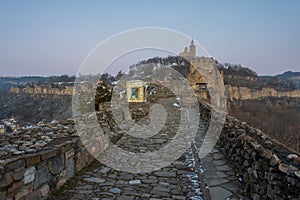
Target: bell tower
192 49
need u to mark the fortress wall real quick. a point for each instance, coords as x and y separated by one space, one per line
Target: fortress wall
34 176
267 168
244 93
68 90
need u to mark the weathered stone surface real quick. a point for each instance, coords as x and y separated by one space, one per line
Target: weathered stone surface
49 154
18 174
94 180
219 193
29 175
15 165
56 164
44 190
261 161
115 190
70 168
42 176
165 174
6 180
283 167
23 192
135 182
15 187
69 154
32 160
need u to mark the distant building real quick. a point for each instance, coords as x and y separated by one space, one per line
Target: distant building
189 53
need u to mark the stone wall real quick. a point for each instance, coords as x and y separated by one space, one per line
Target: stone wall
267 168
244 93
35 89
48 164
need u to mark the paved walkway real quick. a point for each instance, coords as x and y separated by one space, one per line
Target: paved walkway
223 183
185 178
177 181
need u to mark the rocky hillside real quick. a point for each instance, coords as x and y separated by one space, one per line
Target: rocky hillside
31 109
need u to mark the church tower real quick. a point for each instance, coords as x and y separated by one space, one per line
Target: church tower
192 49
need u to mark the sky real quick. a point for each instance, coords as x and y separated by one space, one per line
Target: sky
54 37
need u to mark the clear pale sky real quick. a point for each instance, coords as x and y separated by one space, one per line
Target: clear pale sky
53 37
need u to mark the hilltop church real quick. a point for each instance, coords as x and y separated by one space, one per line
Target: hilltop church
189 53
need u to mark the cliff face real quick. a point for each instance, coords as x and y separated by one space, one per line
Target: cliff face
244 93
66 90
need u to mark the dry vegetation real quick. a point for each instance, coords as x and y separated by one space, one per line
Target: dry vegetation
279 118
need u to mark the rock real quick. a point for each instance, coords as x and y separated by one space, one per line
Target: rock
246 163
32 160
18 174
104 170
30 150
56 164
291 156
70 168
94 180
29 175
69 153
44 190
42 176
16 164
49 154
165 174
135 182
6 180
115 190
283 167
22 193
15 187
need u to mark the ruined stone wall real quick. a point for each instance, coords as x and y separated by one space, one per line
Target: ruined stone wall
32 172
244 93
66 90
267 168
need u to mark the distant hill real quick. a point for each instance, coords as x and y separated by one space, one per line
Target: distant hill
7 82
287 79
289 75
294 77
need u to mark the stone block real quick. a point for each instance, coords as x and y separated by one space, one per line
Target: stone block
23 192
44 191
15 187
66 147
34 195
32 160
6 180
41 164
18 174
70 168
69 154
56 164
49 154
29 175
15 164
42 176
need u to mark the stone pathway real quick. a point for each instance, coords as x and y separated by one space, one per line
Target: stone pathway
177 181
184 178
223 183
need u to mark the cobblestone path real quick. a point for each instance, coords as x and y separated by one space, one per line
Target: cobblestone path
182 179
177 181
